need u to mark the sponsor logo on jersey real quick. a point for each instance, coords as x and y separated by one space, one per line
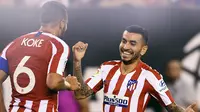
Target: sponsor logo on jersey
120 101
131 85
162 86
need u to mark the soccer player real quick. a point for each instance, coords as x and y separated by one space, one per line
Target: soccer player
35 63
128 83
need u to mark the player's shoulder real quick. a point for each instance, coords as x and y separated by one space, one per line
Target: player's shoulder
49 38
108 65
112 62
149 71
21 37
17 40
56 40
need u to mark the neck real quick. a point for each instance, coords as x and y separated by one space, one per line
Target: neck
127 68
48 29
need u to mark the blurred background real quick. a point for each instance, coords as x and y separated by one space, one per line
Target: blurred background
174 38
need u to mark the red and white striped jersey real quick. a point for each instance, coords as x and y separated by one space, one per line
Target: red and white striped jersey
130 92
30 58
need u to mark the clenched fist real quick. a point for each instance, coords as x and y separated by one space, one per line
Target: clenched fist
79 50
72 83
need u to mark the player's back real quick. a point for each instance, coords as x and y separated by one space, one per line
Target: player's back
30 59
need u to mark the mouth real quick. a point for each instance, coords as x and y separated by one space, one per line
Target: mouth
126 54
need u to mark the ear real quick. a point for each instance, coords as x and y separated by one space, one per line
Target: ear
62 24
144 50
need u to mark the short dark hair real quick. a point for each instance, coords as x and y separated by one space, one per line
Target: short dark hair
52 11
140 30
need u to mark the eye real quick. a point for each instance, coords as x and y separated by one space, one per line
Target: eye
133 43
123 41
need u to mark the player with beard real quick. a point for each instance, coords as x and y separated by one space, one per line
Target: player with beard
35 63
130 83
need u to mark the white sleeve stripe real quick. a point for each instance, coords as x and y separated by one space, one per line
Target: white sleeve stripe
63 61
54 51
64 57
3 55
152 81
165 99
145 99
93 82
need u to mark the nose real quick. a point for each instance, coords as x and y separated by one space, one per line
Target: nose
126 46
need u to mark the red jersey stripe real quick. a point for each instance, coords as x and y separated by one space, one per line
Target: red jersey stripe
128 93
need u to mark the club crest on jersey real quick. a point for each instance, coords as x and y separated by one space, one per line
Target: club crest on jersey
131 85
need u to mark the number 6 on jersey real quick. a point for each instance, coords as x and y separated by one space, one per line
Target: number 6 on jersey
22 69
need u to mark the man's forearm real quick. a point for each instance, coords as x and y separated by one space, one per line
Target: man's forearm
77 70
84 91
3 76
62 85
56 82
174 108
2 105
83 105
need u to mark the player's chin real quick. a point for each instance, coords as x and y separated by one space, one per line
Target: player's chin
126 62
125 59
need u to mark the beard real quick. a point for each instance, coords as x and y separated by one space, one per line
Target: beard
135 57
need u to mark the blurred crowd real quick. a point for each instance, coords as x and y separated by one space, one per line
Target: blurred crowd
106 3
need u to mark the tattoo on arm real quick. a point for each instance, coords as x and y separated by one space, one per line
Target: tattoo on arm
85 91
174 108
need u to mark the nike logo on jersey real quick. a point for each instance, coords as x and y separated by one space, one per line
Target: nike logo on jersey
120 101
32 42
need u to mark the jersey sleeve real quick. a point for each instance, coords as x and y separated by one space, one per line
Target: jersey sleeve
159 89
3 59
59 58
95 82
